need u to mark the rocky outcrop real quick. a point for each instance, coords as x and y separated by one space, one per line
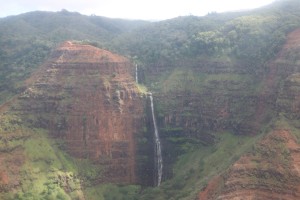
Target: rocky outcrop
87 98
270 172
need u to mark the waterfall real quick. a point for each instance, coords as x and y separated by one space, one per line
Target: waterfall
136 74
157 148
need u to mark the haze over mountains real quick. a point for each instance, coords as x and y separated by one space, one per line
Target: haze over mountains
132 9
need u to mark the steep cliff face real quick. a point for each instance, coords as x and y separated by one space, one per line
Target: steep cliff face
87 97
271 171
223 93
211 95
288 101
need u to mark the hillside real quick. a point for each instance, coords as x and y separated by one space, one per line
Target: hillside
226 100
27 40
274 162
54 144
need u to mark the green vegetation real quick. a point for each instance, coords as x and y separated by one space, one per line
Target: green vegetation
47 172
206 74
183 80
142 88
43 170
199 164
26 41
251 37
112 192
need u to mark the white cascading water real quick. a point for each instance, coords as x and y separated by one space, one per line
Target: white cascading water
136 74
157 151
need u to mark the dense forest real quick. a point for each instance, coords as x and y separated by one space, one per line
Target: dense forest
26 40
253 36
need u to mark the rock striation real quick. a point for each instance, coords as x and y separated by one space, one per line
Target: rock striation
87 97
271 170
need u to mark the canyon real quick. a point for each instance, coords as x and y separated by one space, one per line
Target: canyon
187 108
88 101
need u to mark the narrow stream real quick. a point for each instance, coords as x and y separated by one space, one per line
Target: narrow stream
136 74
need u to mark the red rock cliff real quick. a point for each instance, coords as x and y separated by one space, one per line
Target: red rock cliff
88 97
272 169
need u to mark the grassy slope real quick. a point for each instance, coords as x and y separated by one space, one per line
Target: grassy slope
44 168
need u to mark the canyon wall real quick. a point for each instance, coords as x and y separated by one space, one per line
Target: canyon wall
87 98
202 97
271 170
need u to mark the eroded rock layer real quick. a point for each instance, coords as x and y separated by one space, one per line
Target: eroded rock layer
88 98
271 170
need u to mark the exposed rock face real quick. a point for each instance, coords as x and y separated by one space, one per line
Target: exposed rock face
87 97
11 160
223 95
272 172
288 101
211 96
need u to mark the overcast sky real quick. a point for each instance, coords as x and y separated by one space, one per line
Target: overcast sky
130 9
